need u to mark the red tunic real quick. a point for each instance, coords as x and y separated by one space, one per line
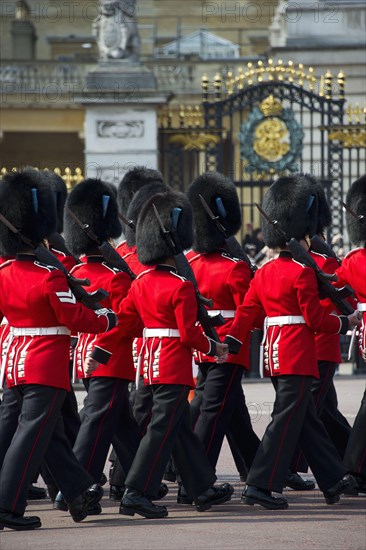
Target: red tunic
68 261
225 280
285 287
327 345
129 254
36 295
116 283
353 272
160 298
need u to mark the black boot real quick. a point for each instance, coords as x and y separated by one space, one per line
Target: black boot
217 494
253 495
134 502
346 484
18 522
36 493
297 483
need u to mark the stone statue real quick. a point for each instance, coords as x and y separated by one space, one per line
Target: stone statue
116 31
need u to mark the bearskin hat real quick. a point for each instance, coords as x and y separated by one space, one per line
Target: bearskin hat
93 202
356 200
138 201
28 203
293 203
60 190
220 194
132 181
324 212
176 214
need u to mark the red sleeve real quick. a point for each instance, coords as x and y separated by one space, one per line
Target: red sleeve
247 314
238 281
316 317
106 343
68 311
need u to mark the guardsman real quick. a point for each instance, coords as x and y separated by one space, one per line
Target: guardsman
41 310
353 272
328 349
219 407
287 291
107 413
163 303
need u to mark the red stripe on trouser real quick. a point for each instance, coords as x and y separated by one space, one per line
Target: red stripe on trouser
164 439
101 426
284 435
220 411
33 449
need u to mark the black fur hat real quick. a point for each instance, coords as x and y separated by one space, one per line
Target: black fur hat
138 201
176 214
220 194
60 190
94 202
132 181
324 212
29 204
293 203
356 200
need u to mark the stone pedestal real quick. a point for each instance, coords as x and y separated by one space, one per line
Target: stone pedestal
121 131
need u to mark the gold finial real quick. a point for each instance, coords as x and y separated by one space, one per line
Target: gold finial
341 80
328 82
311 79
357 111
230 81
78 175
218 86
181 116
204 86
321 87
349 113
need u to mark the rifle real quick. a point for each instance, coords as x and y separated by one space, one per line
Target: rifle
231 242
326 289
184 269
105 248
89 299
359 217
322 247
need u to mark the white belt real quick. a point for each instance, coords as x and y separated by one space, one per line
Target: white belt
278 321
227 313
39 331
151 333
361 306
161 332
284 320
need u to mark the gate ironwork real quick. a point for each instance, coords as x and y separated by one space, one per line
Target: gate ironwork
267 120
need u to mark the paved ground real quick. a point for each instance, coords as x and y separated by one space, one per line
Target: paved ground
307 524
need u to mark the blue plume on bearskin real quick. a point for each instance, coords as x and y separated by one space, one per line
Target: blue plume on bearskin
28 203
221 196
152 247
94 203
293 202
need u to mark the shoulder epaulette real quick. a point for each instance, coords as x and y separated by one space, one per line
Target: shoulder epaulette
45 266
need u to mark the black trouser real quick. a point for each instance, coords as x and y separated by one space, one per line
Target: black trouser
169 432
220 402
9 413
294 420
335 423
107 418
320 389
355 456
141 400
39 435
